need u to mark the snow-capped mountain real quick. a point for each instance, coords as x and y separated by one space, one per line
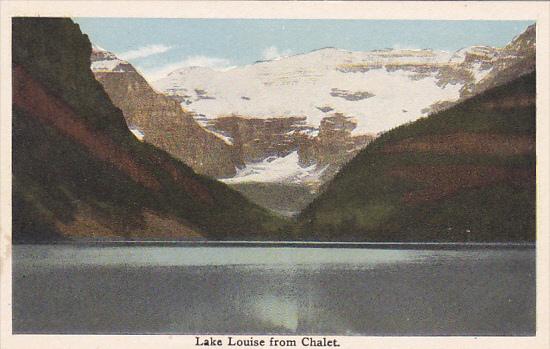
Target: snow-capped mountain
336 99
105 61
380 89
298 119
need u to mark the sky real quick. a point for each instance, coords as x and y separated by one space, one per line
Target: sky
157 47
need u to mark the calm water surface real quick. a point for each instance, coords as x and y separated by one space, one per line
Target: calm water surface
277 290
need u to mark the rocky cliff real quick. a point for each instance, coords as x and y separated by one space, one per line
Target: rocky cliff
161 121
320 151
78 172
515 59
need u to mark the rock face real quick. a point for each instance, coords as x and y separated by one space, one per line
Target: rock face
78 172
320 152
499 65
333 146
467 173
328 104
159 120
515 59
257 139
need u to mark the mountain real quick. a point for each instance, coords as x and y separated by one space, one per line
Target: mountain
515 59
467 173
161 121
326 105
79 172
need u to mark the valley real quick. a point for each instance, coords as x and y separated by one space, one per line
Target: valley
328 145
296 120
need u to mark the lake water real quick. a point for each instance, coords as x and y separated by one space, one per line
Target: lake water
276 290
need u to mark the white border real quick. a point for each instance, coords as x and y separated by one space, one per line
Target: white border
539 11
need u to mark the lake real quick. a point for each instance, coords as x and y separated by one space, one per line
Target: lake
369 290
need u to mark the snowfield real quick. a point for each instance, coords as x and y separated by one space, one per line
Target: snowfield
379 90
273 170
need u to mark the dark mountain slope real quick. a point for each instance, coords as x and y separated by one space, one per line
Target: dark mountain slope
77 170
464 174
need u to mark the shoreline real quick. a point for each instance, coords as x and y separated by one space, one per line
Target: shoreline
287 244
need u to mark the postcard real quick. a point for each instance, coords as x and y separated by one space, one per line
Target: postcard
275 174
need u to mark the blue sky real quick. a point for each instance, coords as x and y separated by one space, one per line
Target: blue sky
158 46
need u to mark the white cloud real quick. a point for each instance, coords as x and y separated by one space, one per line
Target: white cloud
272 53
145 51
215 63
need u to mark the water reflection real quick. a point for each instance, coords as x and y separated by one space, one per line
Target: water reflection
276 311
